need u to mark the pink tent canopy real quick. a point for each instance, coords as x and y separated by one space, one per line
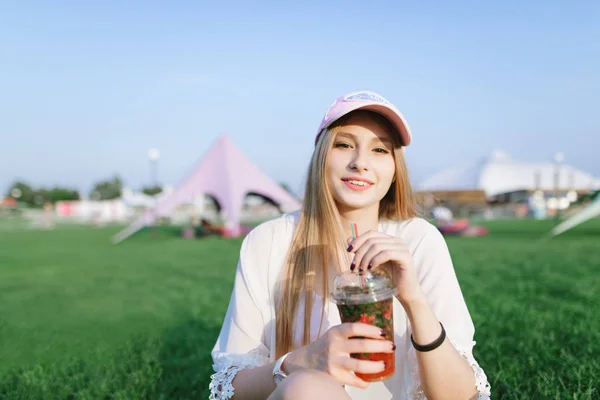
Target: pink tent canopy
228 176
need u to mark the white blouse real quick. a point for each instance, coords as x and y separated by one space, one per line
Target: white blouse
247 337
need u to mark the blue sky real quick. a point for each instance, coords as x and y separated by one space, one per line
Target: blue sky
86 88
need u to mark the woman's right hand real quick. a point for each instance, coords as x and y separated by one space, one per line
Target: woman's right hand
331 353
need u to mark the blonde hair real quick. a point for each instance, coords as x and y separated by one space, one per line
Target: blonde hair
318 239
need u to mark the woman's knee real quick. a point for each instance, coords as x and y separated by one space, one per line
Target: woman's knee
309 384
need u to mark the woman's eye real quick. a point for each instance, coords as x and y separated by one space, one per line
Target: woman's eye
381 150
342 145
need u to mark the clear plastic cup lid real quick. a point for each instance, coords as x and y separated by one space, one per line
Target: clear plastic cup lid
364 287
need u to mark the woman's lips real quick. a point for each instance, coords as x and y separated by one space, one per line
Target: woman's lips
357 184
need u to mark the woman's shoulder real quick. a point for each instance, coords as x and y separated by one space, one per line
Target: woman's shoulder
413 230
273 231
264 248
285 222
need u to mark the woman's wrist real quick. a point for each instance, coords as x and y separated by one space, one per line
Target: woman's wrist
415 300
424 323
417 308
292 362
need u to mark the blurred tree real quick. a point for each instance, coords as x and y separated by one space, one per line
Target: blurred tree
25 193
41 196
107 190
152 190
63 194
21 192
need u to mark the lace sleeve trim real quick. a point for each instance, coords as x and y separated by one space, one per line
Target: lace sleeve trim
481 380
226 367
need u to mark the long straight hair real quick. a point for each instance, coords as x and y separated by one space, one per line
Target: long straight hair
318 239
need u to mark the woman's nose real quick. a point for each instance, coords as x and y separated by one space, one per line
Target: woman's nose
359 162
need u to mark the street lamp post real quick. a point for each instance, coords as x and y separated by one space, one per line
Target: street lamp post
153 156
558 159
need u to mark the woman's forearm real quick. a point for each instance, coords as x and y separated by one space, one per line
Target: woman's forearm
444 373
254 383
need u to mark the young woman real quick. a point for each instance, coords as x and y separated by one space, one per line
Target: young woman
282 337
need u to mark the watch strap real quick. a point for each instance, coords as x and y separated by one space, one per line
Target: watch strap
278 374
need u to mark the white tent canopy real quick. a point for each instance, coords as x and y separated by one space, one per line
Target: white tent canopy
498 173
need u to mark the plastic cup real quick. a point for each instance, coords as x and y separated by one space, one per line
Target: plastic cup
367 297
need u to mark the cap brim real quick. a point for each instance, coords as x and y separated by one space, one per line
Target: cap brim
392 115
395 117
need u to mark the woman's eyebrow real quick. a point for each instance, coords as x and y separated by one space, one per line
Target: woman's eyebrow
384 140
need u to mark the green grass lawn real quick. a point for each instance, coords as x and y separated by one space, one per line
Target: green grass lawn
83 319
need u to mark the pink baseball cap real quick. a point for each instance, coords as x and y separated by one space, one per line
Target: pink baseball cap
366 100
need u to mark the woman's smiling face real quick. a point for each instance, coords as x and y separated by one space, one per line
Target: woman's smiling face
360 166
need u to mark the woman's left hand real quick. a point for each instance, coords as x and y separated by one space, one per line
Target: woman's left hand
374 249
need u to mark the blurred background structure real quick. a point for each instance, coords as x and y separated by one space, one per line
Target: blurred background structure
229 190
499 186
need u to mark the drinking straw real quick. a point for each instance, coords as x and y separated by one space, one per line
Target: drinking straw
354 229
